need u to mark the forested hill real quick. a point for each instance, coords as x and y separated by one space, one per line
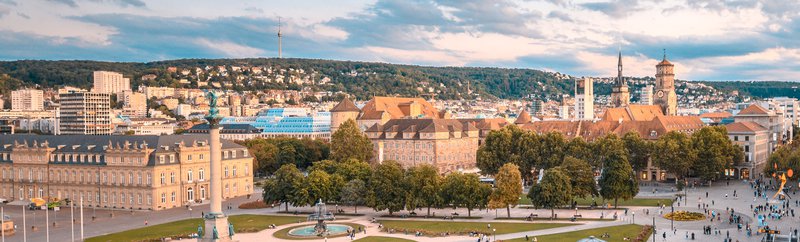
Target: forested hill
363 79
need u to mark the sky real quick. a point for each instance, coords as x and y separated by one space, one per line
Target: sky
705 39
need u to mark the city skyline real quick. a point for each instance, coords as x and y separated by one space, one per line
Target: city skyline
743 40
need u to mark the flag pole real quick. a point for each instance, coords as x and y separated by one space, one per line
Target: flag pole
2 224
72 219
47 222
24 226
82 239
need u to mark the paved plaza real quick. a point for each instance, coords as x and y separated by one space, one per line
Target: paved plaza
716 200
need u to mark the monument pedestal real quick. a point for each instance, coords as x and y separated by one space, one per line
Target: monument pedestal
221 223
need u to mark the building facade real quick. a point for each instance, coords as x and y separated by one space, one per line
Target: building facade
790 108
27 100
665 95
124 172
110 82
584 99
753 138
646 95
85 113
447 144
134 104
342 112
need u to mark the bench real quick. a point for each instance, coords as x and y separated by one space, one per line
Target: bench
577 216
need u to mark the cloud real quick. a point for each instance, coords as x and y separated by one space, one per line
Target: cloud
616 9
70 3
230 49
4 10
8 2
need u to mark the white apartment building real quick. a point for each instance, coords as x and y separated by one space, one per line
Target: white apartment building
85 113
646 95
584 99
790 108
27 100
110 82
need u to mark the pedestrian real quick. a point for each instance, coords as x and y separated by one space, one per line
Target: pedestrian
145 222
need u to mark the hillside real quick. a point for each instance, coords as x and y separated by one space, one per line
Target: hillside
362 79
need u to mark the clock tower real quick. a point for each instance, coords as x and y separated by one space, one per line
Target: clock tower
664 94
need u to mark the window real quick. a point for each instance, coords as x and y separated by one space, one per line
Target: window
246 171
122 198
202 175
201 156
225 154
234 171
189 157
162 178
149 199
735 138
105 197
149 179
161 159
163 197
139 198
746 148
226 171
139 178
171 158
746 138
189 175
172 177
172 197
113 178
233 154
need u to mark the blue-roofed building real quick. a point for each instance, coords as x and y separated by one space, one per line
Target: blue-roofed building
288 122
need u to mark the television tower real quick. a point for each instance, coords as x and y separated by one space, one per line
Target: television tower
280 47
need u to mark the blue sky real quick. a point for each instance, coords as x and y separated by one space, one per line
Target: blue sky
706 39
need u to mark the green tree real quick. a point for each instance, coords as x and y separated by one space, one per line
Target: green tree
387 189
348 142
715 150
281 188
354 193
509 145
639 150
581 176
580 149
554 190
617 180
675 154
424 187
508 187
552 150
319 187
465 190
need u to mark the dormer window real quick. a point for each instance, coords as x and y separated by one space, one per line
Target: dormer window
653 133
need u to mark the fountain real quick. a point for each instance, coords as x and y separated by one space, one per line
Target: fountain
321 229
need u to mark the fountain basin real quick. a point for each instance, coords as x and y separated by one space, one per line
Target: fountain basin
308 231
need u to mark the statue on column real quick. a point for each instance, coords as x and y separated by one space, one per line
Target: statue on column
213 116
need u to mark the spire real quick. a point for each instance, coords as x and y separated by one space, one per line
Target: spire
665 54
620 81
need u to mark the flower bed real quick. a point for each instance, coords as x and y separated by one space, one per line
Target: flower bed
685 216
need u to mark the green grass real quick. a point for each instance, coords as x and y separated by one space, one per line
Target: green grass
637 202
382 239
616 232
242 223
546 218
284 233
436 228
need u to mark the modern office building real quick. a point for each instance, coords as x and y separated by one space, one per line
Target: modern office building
85 113
110 82
123 172
288 122
27 100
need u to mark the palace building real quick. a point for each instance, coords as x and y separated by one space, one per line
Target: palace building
130 172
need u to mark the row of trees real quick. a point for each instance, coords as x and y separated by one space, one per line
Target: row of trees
702 154
271 154
784 158
387 186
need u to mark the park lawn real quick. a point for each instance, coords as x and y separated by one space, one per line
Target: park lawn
245 223
382 239
616 232
637 202
434 228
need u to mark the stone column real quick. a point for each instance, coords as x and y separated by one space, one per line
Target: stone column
215 219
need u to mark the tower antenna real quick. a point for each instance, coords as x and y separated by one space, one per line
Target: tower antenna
280 47
665 53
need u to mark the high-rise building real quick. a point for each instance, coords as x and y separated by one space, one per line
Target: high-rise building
110 82
85 113
584 99
27 99
646 95
665 95
790 107
620 96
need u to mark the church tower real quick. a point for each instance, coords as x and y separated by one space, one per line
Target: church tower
665 95
620 96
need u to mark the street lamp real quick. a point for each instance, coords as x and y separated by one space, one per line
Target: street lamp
494 234
654 229
633 220
672 221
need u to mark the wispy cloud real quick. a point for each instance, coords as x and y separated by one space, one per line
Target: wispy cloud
707 39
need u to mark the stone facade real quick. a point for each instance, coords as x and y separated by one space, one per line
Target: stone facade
131 172
447 144
752 137
665 95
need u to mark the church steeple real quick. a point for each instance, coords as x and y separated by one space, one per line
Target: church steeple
620 80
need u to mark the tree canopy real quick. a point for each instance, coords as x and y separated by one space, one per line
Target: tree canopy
348 142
